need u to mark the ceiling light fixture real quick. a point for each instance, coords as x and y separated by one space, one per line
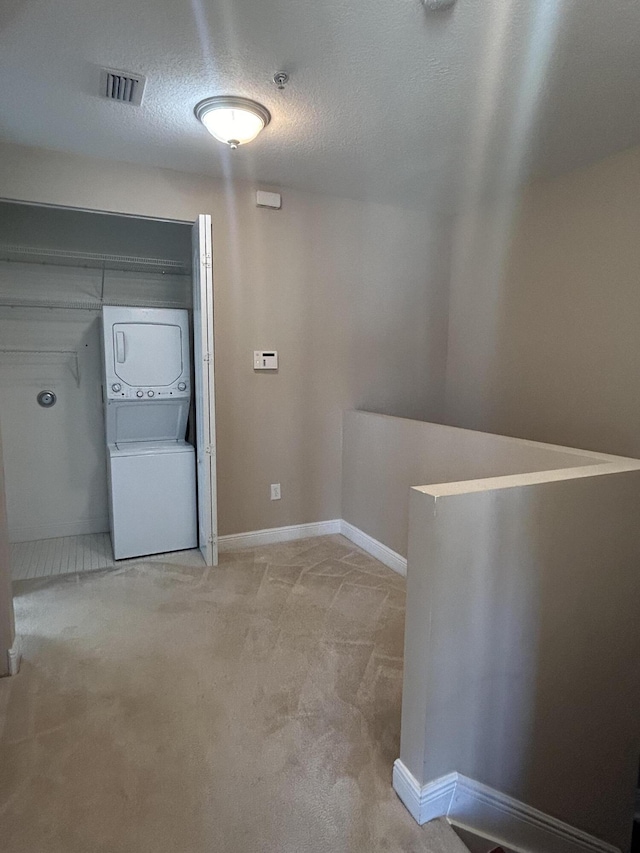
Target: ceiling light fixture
234 121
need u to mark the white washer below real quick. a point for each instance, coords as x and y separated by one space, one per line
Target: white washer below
152 497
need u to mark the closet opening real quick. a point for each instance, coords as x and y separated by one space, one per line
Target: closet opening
89 467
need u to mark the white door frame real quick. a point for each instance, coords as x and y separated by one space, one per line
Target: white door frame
204 388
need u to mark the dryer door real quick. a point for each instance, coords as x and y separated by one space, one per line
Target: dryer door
147 354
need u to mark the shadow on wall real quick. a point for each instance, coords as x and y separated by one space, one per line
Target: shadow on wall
521 630
494 169
538 348
587 697
488 707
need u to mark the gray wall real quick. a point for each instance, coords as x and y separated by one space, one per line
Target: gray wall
521 644
543 333
353 296
384 456
7 628
30 225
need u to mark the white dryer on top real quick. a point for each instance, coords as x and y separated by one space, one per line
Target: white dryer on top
147 375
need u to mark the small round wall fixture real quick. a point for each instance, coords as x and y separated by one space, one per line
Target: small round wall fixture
234 121
46 399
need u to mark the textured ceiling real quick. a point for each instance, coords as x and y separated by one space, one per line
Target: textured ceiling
387 101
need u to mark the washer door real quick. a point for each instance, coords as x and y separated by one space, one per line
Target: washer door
147 354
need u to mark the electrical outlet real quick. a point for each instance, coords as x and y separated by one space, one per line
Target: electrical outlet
275 491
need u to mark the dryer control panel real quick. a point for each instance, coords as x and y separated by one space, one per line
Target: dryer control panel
146 353
118 391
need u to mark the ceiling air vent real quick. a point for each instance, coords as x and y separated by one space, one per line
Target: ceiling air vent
122 86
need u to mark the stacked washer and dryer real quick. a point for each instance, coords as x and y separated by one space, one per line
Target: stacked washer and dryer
147 393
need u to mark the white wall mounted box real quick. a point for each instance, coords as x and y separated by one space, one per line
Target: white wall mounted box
265 360
269 200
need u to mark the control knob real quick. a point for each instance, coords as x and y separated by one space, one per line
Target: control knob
182 386
139 393
116 386
150 393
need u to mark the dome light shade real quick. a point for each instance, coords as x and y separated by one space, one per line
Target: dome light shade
234 121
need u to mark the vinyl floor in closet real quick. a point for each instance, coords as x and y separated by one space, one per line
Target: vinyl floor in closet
71 554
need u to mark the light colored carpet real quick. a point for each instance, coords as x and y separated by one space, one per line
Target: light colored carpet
250 707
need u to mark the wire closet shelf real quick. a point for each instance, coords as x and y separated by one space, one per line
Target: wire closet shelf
93 260
89 260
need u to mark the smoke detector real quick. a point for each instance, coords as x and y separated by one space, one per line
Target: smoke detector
124 87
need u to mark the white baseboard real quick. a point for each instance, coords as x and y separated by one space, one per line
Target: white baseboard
381 552
426 803
30 533
491 814
254 538
14 656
